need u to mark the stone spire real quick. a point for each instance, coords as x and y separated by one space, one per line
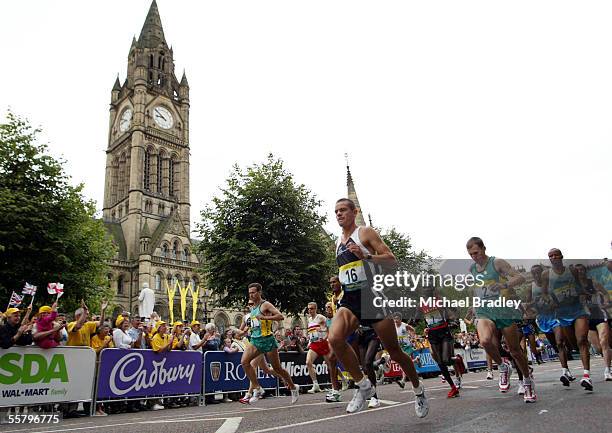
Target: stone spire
152 33
352 194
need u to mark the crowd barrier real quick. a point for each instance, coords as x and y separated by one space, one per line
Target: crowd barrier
33 376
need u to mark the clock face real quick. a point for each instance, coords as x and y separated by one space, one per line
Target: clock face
163 117
126 120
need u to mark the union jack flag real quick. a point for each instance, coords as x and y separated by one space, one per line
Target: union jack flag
15 300
55 288
29 289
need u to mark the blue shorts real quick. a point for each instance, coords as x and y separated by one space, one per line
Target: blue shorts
547 323
567 315
352 337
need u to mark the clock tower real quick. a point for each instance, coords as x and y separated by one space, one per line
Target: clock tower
146 193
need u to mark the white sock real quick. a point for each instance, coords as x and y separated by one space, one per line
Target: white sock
566 372
362 382
587 373
503 366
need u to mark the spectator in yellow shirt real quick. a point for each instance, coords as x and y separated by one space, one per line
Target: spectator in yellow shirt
102 340
179 342
81 330
161 342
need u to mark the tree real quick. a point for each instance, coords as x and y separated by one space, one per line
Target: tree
47 228
265 228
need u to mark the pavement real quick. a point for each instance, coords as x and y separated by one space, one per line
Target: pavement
481 408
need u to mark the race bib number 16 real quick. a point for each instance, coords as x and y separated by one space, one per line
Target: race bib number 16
352 274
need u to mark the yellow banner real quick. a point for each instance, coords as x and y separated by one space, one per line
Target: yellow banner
170 293
194 300
183 292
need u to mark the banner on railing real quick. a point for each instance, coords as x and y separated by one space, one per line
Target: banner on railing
140 373
295 364
474 358
224 373
29 375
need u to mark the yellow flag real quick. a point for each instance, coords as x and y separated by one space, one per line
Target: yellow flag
183 292
194 300
171 293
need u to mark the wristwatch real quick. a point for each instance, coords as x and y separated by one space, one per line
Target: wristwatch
368 257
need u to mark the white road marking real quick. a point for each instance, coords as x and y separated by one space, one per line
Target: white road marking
230 425
286 426
542 411
390 402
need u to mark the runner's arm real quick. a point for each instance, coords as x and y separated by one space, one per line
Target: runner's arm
511 274
271 313
373 241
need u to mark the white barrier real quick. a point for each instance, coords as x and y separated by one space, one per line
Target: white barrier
29 375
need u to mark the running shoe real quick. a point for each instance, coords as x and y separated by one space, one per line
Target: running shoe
489 375
374 402
360 396
295 393
521 388
245 399
607 375
505 371
458 382
586 383
529 394
257 394
401 383
421 405
315 388
454 392
566 379
332 396
442 378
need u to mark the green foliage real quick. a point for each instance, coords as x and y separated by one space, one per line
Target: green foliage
47 229
265 228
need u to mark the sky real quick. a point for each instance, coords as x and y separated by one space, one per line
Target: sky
460 119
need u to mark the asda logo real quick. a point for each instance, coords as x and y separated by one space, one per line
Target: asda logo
32 368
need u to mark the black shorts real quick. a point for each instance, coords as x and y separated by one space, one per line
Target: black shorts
594 322
437 336
366 337
354 301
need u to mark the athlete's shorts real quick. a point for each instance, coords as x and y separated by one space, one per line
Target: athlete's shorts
353 301
547 323
264 344
407 348
501 317
527 329
594 322
567 315
438 336
320 347
351 338
367 336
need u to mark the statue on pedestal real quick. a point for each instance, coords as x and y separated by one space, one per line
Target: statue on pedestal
146 301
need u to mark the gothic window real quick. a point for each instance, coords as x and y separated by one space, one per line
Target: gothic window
176 250
113 215
120 211
151 60
194 282
122 180
164 250
186 254
160 172
120 285
147 170
158 281
171 177
114 180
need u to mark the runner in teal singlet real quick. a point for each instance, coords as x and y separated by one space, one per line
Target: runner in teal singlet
498 278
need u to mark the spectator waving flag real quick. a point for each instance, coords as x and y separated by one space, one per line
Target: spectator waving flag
29 289
15 300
